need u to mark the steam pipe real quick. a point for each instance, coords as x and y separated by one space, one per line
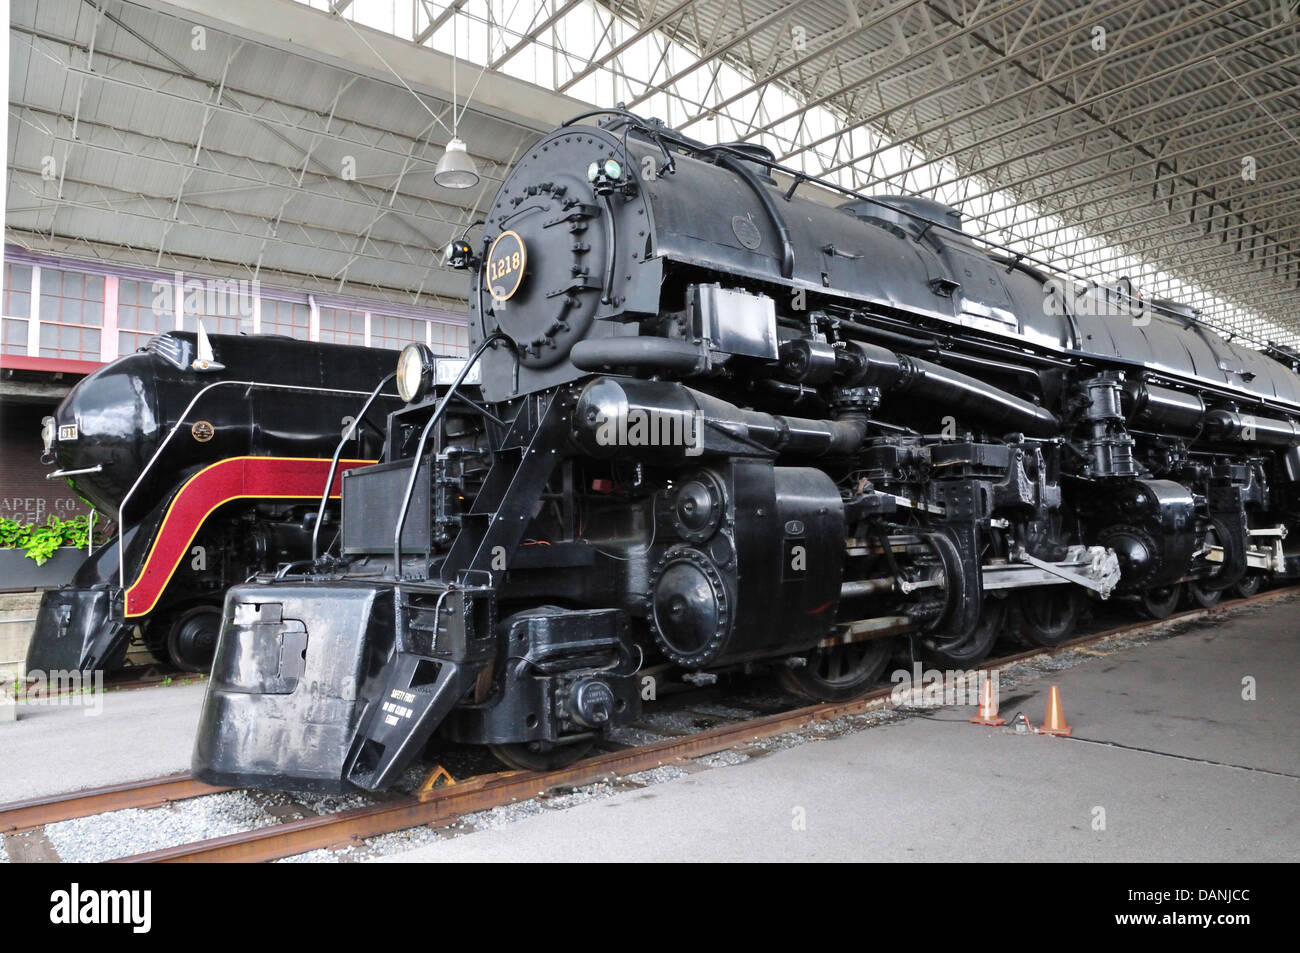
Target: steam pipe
650 353
1229 425
733 164
657 419
899 373
1171 410
870 365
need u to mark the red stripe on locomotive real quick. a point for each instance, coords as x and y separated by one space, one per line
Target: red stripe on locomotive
236 478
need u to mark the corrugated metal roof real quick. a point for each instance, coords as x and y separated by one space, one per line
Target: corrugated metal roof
125 142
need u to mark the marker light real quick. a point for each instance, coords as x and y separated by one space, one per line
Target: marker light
458 254
605 176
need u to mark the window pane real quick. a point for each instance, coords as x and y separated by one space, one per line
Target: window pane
20 304
395 333
18 277
224 304
342 326
71 313
286 317
15 336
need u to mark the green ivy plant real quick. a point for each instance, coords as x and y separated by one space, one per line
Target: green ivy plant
41 540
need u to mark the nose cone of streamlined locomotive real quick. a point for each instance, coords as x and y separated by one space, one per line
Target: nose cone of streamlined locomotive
106 428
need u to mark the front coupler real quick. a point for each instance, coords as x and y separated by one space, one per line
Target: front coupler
560 675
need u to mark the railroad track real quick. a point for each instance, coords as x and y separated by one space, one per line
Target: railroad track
442 805
35 813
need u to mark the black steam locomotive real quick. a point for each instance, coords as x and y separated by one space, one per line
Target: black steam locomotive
210 454
713 423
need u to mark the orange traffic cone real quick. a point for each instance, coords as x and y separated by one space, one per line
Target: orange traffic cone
988 711
1054 723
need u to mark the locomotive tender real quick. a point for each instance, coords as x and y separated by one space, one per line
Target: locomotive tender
211 455
712 424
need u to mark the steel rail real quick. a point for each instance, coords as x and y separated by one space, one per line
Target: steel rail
487 791
154 792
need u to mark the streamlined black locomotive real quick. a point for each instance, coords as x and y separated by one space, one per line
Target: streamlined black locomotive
712 422
210 454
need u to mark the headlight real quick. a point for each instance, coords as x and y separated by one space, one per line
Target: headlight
413 365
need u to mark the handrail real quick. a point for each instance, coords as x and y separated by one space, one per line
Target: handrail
334 463
121 507
56 474
424 436
735 166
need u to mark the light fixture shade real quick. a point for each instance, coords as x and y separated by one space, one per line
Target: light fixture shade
456 169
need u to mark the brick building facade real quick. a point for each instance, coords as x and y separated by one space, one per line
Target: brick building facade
25 494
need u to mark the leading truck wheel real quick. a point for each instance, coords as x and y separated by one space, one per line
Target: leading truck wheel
540 755
1198 597
192 639
1048 614
1160 602
993 617
1249 585
840 673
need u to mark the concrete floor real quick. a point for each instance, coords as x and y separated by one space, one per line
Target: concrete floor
141 733
1164 743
